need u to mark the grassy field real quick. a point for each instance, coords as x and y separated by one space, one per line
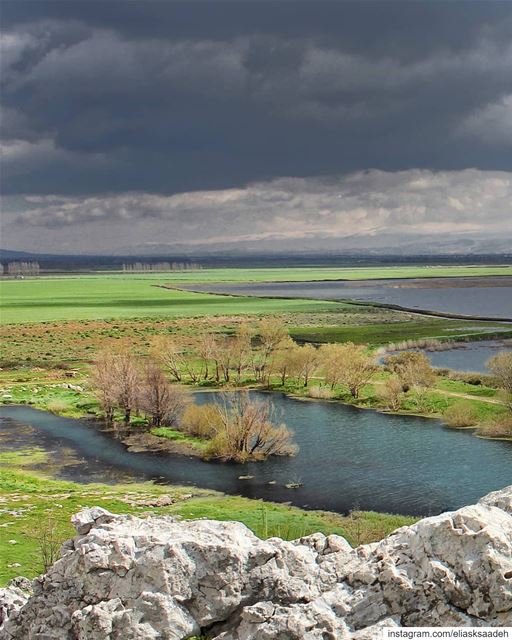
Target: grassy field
72 342
381 333
302 274
123 296
95 298
33 506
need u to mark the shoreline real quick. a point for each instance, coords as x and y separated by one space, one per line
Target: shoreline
144 441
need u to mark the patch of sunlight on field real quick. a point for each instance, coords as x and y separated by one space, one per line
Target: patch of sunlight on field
39 300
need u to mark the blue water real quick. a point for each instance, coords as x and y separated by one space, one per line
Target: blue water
469 356
474 300
348 458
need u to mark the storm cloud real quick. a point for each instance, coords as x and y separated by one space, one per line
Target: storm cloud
215 122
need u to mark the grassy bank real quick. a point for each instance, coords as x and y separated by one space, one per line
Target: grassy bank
51 390
383 333
33 507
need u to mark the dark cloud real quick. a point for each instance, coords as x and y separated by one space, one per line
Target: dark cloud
103 98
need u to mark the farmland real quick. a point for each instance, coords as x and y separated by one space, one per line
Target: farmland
118 297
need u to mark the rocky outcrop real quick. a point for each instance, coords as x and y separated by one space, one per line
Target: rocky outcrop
124 577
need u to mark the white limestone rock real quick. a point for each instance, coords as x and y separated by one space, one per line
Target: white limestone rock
124 577
11 601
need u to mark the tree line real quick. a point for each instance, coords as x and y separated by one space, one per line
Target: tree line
268 355
20 268
160 266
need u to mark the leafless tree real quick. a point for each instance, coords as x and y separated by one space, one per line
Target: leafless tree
126 384
272 334
414 370
241 350
356 366
222 356
304 362
206 349
170 352
500 366
392 393
163 402
248 430
104 383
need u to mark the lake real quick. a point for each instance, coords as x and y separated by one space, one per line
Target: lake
478 297
349 458
467 356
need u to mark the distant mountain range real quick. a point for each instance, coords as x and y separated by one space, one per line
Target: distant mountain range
274 246
373 245
219 257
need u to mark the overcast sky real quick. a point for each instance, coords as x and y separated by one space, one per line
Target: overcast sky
138 125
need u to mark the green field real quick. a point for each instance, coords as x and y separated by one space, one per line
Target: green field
301 274
97 298
109 296
378 334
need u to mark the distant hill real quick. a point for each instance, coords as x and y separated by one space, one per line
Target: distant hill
229 258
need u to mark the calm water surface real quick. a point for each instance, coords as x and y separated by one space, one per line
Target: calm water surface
475 300
471 356
348 458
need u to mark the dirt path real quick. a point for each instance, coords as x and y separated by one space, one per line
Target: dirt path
468 396
456 394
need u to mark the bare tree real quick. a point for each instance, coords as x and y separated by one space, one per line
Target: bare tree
500 366
356 366
171 353
241 350
414 370
222 356
163 402
248 431
392 393
272 334
304 362
205 351
281 363
104 383
126 384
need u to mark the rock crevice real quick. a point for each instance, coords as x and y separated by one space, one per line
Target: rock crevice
125 577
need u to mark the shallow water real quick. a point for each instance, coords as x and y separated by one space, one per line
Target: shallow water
348 458
470 356
475 300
